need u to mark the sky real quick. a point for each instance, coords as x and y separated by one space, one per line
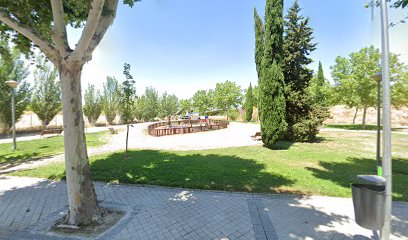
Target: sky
182 46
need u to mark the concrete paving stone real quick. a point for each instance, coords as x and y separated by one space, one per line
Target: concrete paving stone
173 213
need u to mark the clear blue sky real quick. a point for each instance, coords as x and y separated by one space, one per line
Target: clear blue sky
185 45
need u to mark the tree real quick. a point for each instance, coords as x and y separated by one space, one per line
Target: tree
399 91
259 42
320 89
168 105
128 97
354 85
227 95
249 103
93 104
46 99
12 67
203 101
140 108
31 24
151 104
271 85
111 98
303 115
186 106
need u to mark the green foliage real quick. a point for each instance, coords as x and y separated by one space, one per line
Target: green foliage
303 115
93 104
255 94
233 115
249 104
320 89
111 98
272 103
12 67
46 99
186 106
128 97
38 16
271 81
151 104
168 105
354 85
140 108
259 42
227 95
400 91
203 101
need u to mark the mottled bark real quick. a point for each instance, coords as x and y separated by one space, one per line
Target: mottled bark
83 206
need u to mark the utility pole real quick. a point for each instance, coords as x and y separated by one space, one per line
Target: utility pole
386 160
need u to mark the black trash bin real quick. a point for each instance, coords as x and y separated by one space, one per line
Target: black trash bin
368 201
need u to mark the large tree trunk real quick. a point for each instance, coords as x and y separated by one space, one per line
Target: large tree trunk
364 116
83 206
355 116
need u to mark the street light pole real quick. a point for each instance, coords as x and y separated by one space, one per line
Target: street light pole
386 162
13 84
377 77
13 116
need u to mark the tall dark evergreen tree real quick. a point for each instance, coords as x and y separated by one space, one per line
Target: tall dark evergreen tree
259 42
320 87
272 99
259 50
301 117
249 103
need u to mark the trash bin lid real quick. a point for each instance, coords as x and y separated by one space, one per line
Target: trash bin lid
372 179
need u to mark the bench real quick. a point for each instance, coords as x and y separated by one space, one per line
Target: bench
257 136
51 131
113 131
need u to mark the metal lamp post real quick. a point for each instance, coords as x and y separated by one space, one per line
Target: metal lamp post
378 77
386 159
13 84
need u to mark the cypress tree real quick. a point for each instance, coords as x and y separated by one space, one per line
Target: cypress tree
259 51
249 104
272 99
259 42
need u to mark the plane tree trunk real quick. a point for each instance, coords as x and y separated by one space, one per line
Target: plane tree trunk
83 206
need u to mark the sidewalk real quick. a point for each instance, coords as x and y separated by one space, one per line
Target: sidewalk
29 205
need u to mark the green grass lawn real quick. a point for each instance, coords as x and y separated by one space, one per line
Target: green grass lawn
324 168
37 148
357 127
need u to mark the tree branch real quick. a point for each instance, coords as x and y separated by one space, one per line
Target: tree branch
45 46
105 21
90 27
60 33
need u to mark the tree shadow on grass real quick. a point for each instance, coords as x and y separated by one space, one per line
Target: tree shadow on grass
345 173
219 172
286 144
10 160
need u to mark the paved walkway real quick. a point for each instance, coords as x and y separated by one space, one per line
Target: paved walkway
28 206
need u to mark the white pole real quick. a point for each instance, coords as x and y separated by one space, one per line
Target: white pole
386 162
